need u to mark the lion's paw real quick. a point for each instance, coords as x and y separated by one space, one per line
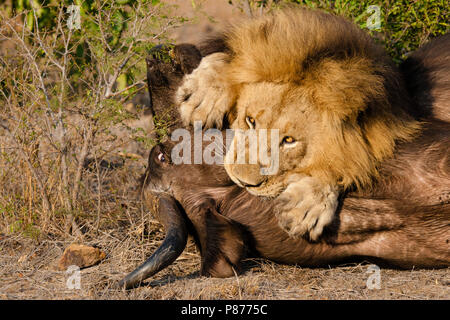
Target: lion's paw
205 94
306 206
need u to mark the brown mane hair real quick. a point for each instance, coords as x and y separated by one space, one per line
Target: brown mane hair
351 82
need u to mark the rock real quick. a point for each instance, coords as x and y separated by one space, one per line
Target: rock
80 255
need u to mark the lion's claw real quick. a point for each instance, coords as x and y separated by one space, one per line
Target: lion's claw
205 94
306 206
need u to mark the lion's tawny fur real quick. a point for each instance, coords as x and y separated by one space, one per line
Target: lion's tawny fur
348 80
324 84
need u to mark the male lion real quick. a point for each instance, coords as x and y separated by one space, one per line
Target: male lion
337 99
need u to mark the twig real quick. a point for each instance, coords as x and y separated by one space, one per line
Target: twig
247 8
81 159
113 79
45 199
127 88
239 285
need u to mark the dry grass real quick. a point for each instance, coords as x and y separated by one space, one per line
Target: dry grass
28 271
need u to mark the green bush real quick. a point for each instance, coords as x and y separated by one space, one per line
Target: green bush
405 24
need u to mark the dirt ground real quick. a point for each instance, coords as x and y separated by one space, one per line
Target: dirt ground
28 268
207 17
28 271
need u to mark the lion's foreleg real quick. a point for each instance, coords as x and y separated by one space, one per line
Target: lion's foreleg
307 205
206 95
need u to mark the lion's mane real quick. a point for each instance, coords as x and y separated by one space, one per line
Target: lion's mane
352 84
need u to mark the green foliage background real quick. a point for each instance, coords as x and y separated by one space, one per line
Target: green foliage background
405 24
122 13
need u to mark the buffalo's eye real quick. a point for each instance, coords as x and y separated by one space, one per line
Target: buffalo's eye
251 122
161 157
288 140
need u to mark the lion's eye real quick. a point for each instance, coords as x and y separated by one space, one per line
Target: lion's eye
161 157
288 140
251 122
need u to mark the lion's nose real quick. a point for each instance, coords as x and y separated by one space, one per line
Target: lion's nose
248 175
246 184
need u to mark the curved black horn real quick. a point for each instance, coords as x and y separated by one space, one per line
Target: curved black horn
173 245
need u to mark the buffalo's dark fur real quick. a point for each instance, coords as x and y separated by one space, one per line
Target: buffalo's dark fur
404 221
427 77
165 69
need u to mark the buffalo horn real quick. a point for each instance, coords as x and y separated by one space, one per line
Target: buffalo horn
173 245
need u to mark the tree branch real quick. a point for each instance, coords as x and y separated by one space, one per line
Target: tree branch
247 8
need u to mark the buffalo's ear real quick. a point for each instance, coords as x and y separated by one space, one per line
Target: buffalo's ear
157 65
166 66
187 56
164 61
